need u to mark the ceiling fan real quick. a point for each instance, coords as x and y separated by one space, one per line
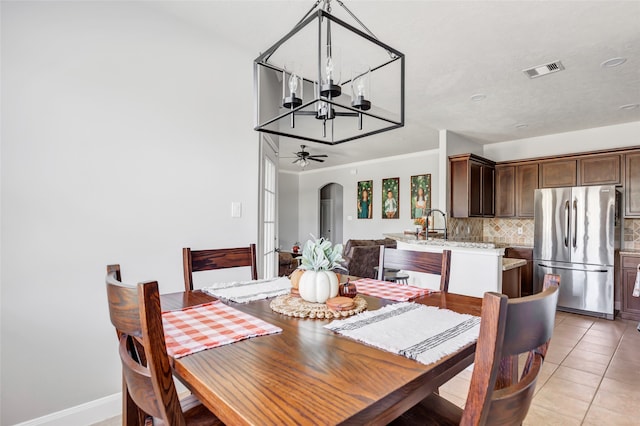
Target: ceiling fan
302 157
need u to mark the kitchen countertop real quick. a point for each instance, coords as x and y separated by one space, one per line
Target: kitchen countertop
631 252
517 246
412 239
509 263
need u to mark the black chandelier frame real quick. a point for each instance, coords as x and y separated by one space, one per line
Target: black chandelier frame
263 61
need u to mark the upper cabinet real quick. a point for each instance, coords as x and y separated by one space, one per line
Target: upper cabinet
558 173
601 169
632 185
472 186
585 170
515 189
526 185
505 191
478 185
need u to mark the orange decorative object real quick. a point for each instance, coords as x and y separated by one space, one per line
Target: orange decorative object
295 278
340 303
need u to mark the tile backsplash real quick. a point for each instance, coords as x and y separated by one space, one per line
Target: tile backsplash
465 229
631 235
505 231
517 232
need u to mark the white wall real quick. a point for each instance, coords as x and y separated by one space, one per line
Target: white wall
403 166
617 136
287 209
118 145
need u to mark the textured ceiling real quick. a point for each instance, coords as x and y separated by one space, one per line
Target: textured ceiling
456 49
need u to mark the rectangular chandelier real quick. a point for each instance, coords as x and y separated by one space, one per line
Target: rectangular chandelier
329 82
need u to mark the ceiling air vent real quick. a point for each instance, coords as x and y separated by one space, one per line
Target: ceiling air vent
545 69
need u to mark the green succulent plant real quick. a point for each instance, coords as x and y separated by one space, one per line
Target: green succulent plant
321 255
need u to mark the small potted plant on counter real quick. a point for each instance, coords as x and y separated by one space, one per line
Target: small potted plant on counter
319 282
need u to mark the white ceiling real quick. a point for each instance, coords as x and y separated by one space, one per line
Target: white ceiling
456 49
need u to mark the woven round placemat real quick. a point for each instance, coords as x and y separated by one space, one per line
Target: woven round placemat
295 306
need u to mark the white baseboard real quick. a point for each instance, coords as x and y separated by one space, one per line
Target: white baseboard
82 415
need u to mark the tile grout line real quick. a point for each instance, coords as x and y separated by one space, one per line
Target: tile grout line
603 373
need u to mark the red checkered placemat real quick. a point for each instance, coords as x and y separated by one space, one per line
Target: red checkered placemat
210 325
388 290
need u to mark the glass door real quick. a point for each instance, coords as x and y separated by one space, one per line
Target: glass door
268 235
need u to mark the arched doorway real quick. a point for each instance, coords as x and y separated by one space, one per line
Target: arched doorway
331 205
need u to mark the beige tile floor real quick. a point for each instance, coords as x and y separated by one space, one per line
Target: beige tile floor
591 376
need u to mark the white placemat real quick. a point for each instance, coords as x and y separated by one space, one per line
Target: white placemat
248 291
423 333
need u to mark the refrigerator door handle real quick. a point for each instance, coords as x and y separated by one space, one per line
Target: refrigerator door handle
575 223
566 224
571 269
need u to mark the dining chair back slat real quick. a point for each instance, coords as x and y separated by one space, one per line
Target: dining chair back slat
207 260
123 304
417 261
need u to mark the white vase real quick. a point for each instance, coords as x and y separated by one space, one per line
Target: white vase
318 286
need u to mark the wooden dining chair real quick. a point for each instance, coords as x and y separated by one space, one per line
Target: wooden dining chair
135 313
508 328
131 415
207 260
417 261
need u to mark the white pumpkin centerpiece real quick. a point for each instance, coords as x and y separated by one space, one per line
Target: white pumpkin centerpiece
319 282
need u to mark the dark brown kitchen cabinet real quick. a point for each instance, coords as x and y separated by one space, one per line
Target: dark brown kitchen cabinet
632 185
601 169
515 189
630 306
505 191
472 186
488 184
526 185
558 173
526 277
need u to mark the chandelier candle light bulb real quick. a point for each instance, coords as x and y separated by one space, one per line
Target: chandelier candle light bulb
292 100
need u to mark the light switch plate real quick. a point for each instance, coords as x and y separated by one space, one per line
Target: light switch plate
236 209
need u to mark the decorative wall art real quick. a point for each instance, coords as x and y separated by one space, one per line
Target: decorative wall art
420 195
365 199
390 198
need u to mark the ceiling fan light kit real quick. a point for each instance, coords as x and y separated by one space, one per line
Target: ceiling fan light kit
302 157
325 69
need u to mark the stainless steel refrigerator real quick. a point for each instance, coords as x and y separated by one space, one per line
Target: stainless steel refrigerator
576 232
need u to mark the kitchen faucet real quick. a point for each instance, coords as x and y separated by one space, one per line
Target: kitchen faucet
444 216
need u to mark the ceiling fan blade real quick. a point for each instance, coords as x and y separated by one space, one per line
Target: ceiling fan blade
319 156
315 159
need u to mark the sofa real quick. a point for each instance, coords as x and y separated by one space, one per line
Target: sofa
287 263
362 256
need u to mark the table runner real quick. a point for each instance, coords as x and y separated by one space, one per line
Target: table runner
210 325
390 291
419 332
248 291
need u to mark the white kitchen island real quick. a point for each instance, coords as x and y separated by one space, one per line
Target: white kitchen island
475 267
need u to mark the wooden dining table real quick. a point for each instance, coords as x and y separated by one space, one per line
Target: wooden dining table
310 375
